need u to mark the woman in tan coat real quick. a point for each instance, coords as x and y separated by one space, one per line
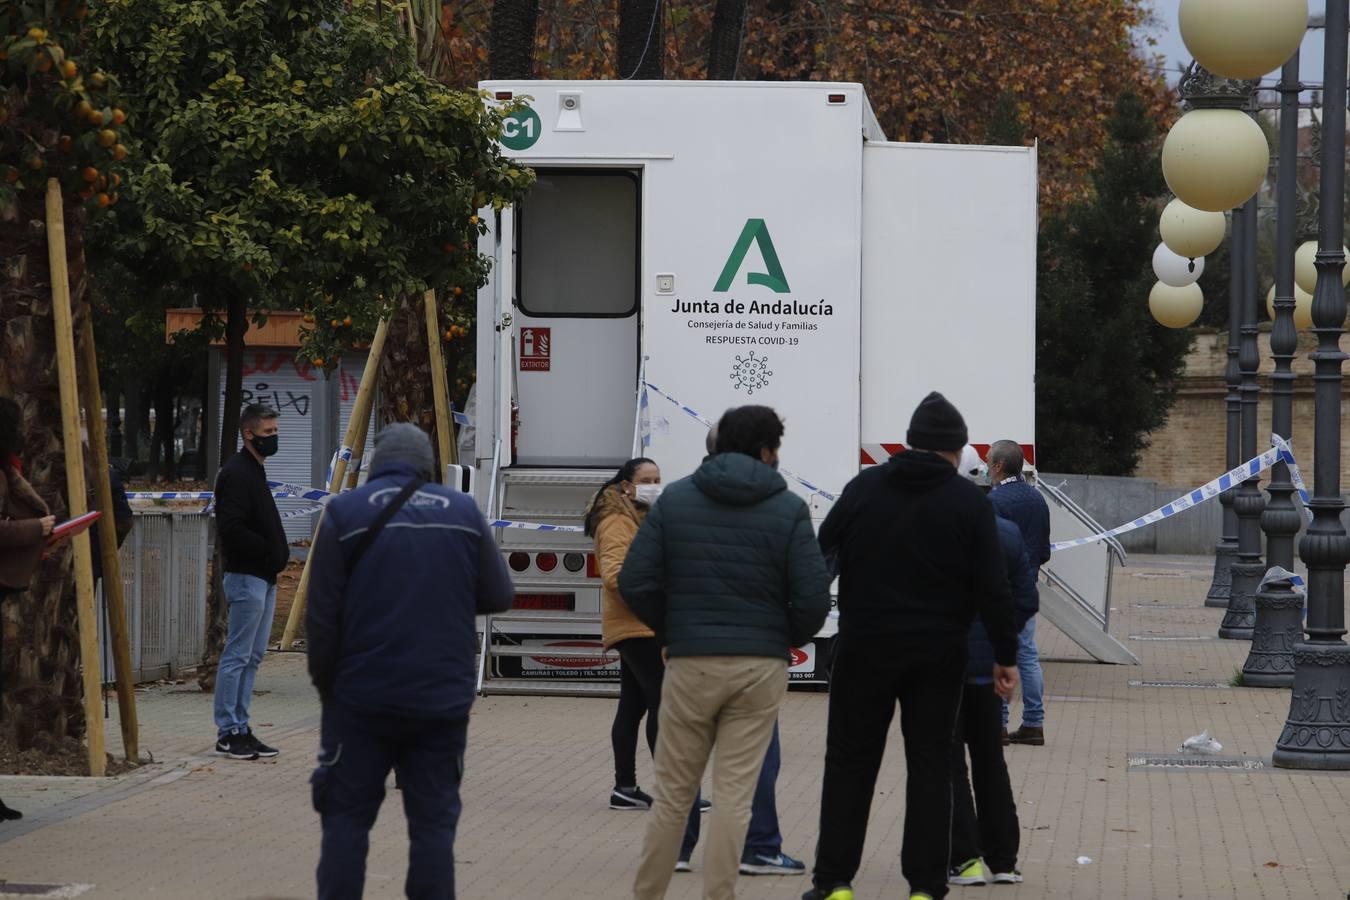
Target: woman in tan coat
25 525
612 520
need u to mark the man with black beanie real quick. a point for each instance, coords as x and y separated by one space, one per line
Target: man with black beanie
918 555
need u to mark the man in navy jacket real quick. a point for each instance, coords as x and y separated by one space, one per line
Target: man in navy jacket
1014 499
391 650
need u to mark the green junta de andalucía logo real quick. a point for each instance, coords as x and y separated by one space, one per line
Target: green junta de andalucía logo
757 232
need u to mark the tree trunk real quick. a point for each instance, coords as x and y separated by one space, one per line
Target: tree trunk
405 372
236 323
131 424
166 421
642 39
40 687
511 41
112 400
724 44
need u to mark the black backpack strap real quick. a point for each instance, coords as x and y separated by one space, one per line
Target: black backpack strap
390 510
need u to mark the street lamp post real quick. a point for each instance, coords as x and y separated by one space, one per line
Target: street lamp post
1316 734
1278 607
1247 502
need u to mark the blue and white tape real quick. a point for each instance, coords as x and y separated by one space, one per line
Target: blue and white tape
1280 451
707 423
536 526
1295 476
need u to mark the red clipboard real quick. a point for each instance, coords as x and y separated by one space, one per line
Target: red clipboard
72 527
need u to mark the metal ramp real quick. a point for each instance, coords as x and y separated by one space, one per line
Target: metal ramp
1075 584
557 619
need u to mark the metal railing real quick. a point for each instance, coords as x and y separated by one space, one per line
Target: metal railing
164 584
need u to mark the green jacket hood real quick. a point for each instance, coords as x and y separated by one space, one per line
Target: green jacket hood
738 480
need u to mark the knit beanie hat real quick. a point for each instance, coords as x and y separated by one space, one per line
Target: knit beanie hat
936 425
403 442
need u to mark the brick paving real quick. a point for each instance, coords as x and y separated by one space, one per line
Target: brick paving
536 823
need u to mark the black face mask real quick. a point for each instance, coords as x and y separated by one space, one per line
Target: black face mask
266 446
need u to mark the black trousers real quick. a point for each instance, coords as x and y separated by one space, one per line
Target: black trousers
356 752
641 659
640 673
865 683
994 832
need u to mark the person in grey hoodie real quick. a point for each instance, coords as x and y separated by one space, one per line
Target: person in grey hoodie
727 572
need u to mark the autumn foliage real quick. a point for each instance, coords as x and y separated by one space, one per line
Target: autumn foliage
933 71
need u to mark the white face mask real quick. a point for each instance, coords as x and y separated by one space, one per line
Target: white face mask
646 494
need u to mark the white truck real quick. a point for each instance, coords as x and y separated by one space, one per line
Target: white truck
694 246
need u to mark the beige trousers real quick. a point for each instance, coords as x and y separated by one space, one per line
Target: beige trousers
729 701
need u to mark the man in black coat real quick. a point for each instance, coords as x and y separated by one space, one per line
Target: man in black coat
918 555
253 545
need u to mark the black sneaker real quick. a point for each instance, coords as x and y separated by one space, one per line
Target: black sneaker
262 749
236 746
629 798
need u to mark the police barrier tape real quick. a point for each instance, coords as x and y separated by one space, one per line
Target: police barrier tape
694 414
1280 451
284 491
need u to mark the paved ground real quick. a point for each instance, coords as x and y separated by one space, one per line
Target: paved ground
536 824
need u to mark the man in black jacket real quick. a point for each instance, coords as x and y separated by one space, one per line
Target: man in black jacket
918 555
253 546
727 572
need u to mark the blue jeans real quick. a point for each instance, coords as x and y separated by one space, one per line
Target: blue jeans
763 838
252 602
356 752
1033 680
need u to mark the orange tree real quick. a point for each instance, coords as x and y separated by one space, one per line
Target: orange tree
294 156
56 121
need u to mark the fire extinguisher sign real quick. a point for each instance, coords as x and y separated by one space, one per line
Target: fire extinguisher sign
535 344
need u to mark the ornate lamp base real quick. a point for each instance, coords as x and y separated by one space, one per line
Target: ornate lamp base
1225 554
1278 628
1240 618
1317 733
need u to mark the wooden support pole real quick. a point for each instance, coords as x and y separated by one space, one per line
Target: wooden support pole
75 487
359 449
356 426
440 390
107 539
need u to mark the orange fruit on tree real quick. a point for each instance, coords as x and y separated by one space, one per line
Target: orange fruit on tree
334 323
449 247
37 34
107 137
68 68
103 200
95 117
347 320
83 109
118 116
449 335
116 180
473 220
458 290
65 143
97 80
112 199
43 63
12 175
35 163
318 361
89 174
119 152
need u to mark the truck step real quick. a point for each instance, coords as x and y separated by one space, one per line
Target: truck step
530 617
526 687
594 653
557 476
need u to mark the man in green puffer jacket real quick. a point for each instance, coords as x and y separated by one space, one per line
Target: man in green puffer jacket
726 570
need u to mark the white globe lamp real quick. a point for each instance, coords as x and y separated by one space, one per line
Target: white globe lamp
1215 159
1305 267
1242 38
1175 307
1191 232
1174 270
1302 307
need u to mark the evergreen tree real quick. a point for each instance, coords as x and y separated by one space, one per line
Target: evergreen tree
1106 372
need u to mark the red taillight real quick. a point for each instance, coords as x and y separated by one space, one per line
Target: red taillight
504 95
592 566
838 98
546 562
518 561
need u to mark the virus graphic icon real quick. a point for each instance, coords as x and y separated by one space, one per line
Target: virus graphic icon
751 373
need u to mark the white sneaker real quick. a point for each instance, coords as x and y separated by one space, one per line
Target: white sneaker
682 865
1013 877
